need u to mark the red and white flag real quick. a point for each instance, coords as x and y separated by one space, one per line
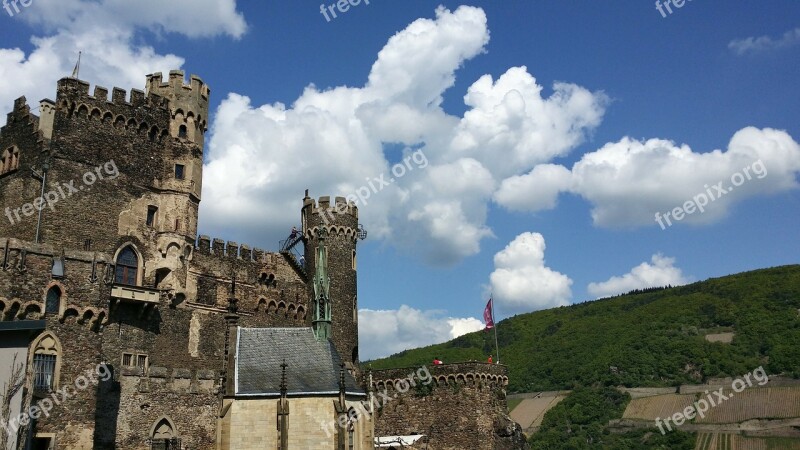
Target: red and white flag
487 315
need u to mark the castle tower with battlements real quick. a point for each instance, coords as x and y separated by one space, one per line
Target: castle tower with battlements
107 269
334 225
164 339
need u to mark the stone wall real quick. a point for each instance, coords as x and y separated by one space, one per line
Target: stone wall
183 343
337 221
463 407
131 147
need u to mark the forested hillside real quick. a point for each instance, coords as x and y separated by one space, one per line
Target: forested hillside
653 338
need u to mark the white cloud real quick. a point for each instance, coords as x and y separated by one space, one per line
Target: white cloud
192 18
764 43
522 283
385 332
105 32
628 181
537 190
661 272
261 158
511 126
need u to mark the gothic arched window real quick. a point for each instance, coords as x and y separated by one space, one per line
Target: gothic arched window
45 362
127 269
52 304
9 160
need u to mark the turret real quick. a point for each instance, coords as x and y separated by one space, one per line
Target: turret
331 232
188 104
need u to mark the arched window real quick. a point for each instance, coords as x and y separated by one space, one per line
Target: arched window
153 134
182 131
52 304
45 362
163 436
352 417
127 270
9 160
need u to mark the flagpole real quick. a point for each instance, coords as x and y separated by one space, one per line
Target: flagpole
76 71
496 346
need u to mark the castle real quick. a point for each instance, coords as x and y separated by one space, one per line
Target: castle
122 329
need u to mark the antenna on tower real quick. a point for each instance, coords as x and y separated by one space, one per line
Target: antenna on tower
77 68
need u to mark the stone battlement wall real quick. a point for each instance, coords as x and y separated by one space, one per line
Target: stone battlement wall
464 407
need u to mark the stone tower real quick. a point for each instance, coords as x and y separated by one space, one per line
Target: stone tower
188 107
188 104
334 227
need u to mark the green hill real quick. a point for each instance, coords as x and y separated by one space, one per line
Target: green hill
652 338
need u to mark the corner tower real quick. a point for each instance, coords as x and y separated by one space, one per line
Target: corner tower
331 232
188 104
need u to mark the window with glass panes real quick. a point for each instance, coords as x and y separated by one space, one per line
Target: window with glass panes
44 369
53 301
127 267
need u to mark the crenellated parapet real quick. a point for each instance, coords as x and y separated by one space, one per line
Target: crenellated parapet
196 90
20 118
147 114
231 250
340 206
465 374
457 406
268 288
339 218
188 104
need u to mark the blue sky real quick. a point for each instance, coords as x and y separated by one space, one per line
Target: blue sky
552 133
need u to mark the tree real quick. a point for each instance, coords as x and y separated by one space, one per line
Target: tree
10 390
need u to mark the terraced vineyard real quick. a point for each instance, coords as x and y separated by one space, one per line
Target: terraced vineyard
722 441
715 441
650 408
530 412
762 403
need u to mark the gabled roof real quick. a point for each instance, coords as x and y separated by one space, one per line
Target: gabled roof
313 366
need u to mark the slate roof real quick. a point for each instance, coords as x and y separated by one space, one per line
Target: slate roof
313 366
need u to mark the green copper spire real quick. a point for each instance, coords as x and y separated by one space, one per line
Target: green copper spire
322 303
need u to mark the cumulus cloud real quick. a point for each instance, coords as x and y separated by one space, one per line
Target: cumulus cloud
627 182
192 18
385 332
334 141
536 190
105 32
661 272
522 283
760 44
510 126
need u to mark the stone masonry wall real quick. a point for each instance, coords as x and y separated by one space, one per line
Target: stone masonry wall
182 336
464 407
338 223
